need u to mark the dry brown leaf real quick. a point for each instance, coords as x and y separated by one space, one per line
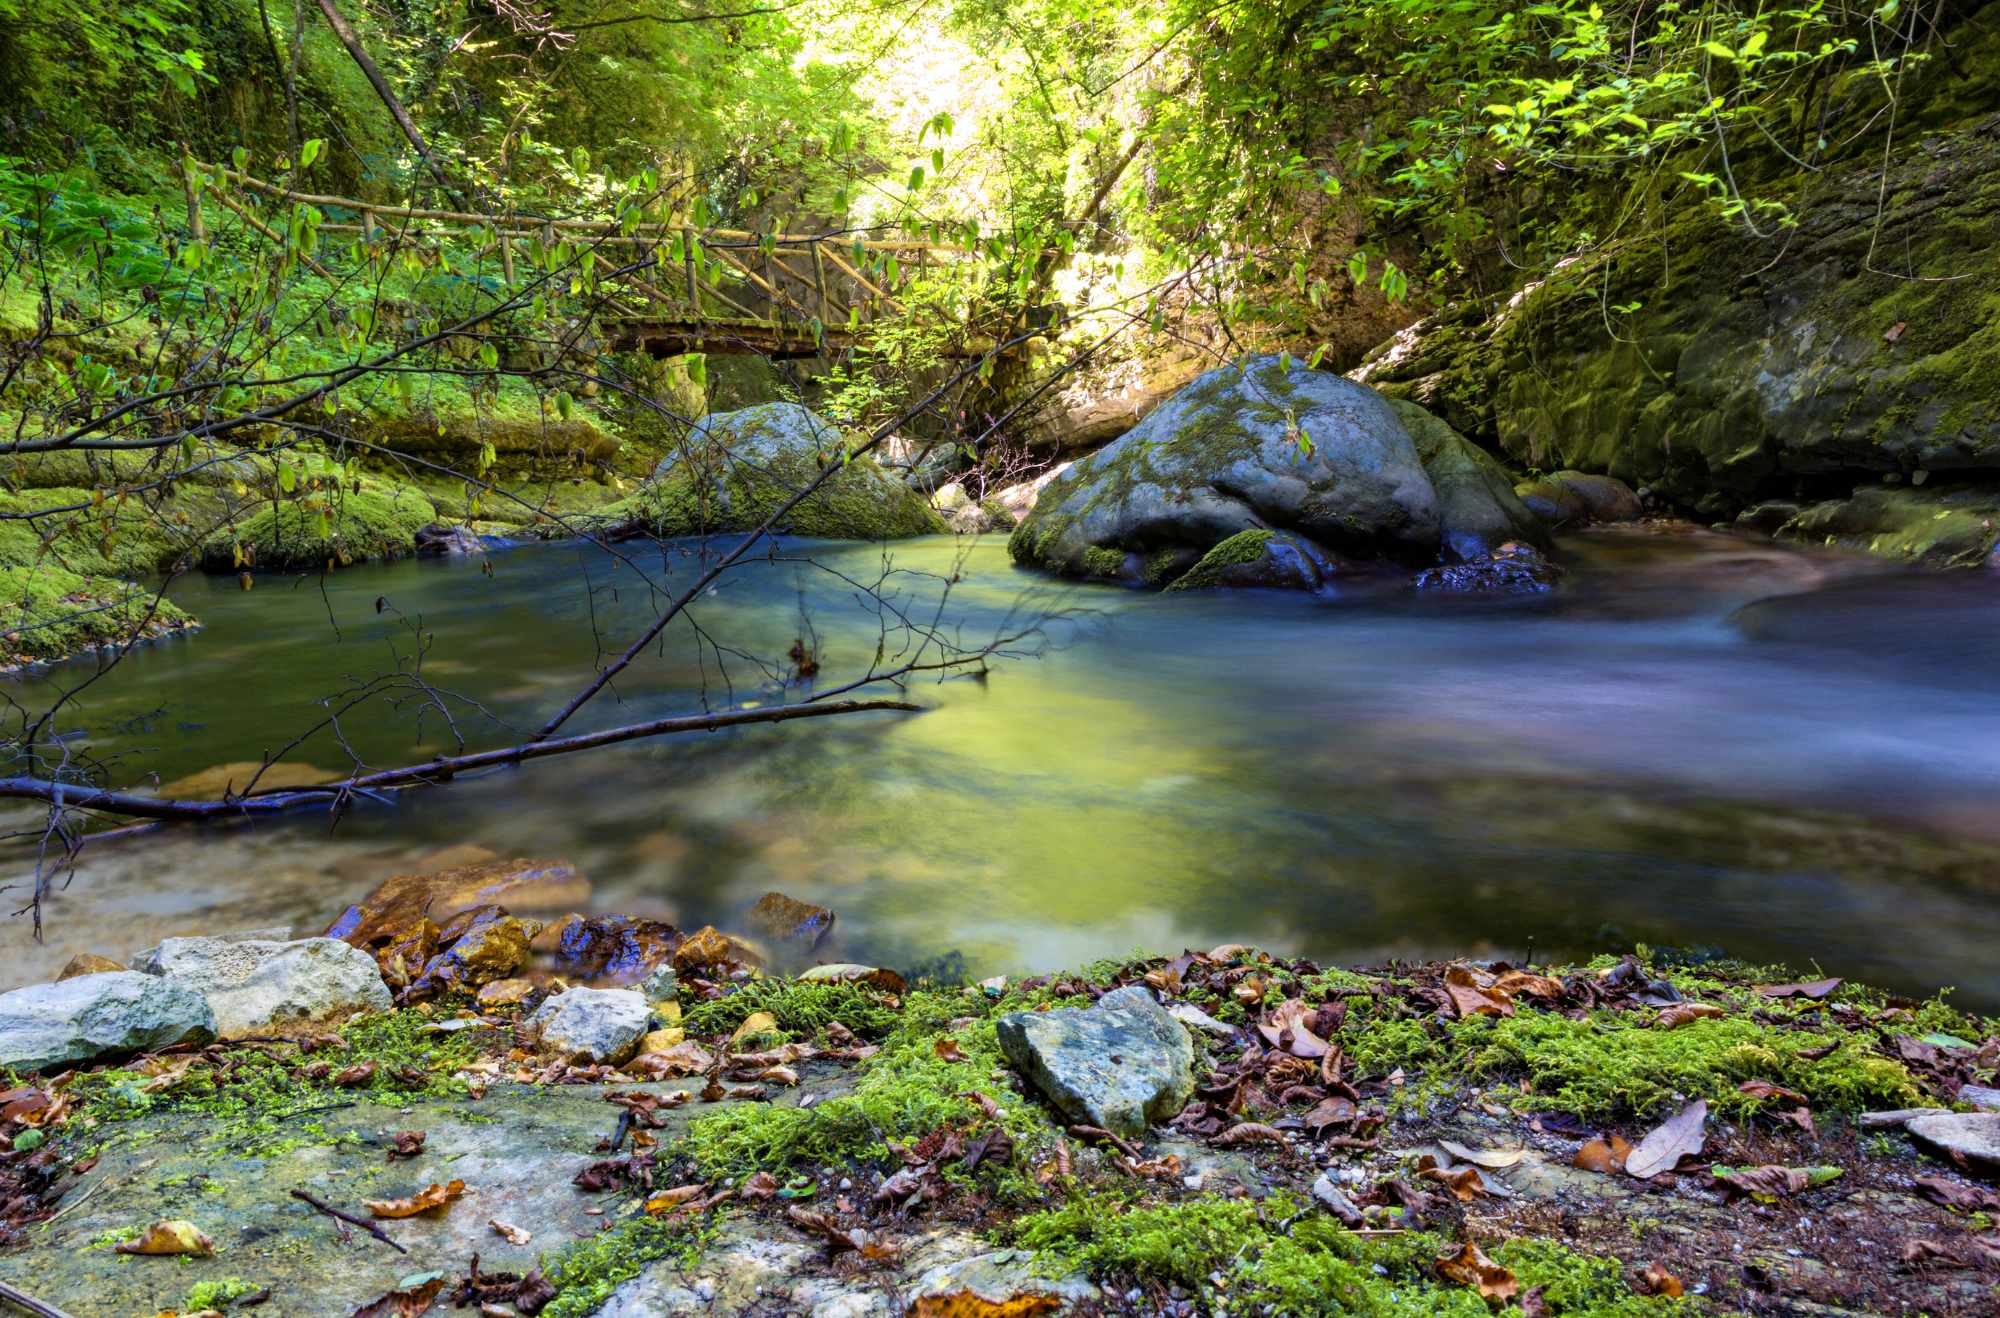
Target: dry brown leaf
757 1022
685 1058
667 1200
406 1144
431 1199
1683 1013
405 1303
1656 1280
1471 1267
1493 1158
1251 1132
1602 1156
1522 984
1765 1089
1287 1028
507 1231
949 1050
1472 994
1815 990
1463 1182
971 1304
359 1074
176 1236
1679 1136
761 1185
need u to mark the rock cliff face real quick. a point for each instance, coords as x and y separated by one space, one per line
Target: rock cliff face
1862 345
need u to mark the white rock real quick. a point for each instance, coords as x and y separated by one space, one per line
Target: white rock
593 1025
254 984
92 1016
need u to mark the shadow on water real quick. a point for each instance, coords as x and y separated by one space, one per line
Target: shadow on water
1700 741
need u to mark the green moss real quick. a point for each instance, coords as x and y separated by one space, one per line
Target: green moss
1611 1063
254 1101
903 1093
318 528
1312 1267
49 613
586 1273
218 1294
800 1008
1098 562
1243 547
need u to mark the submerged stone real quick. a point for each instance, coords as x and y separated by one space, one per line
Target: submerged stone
1577 498
253 984
609 950
520 885
593 1025
1120 1064
788 920
100 1015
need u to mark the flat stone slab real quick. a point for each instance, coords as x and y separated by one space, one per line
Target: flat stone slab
516 1150
1974 1136
1119 1064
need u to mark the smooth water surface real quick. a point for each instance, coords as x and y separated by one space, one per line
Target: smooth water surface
1700 741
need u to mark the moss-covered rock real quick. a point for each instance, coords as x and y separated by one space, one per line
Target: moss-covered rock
737 468
1477 505
1936 527
49 613
1259 445
313 529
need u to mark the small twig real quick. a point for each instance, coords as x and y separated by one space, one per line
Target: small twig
350 1219
23 1300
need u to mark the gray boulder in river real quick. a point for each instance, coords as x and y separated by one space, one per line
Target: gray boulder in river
92 1016
737 468
1120 1064
1316 467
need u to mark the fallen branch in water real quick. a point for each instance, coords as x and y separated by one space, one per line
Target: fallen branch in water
439 770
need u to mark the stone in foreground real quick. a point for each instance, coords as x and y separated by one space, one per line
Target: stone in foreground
1973 1136
1120 1064
254 984
94 1016
593 1025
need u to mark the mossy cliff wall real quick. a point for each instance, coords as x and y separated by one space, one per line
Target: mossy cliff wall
1863 343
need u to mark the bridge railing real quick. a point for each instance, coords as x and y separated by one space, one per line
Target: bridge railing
830 284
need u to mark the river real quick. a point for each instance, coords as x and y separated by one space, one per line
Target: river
1700 741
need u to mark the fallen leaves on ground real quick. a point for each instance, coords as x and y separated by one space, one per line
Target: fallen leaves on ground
667 1200
1463 1182
1251 1132
410 1296
1472 993
971 1304
636 1170
685 1058
1765 1089
1603 1155
837 1237
1683 1013
406 1144
176 1236
1656 1280
1491 1158
1774 1182
1288 1028
431 1199
488 1290
1815 990
948 1049
1679 1136
510 1233
756 1023
359 1074
1953 1194
1471 1267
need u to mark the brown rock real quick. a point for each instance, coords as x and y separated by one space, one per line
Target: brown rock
480 946
214 784
789 921
404 956
610 950
87 963
505 992
708 949
402 899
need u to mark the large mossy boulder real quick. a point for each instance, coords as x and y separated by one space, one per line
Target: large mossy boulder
737 468
1936 527
1267 473
309 530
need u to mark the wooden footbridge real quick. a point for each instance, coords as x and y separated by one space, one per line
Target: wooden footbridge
677 288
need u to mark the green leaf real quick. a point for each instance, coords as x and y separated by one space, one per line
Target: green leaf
288 479
310 151
240 158
1720 51
916 178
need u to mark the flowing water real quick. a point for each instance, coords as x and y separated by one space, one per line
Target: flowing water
1700 741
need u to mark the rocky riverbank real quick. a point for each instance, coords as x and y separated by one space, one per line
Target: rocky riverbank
612 1115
